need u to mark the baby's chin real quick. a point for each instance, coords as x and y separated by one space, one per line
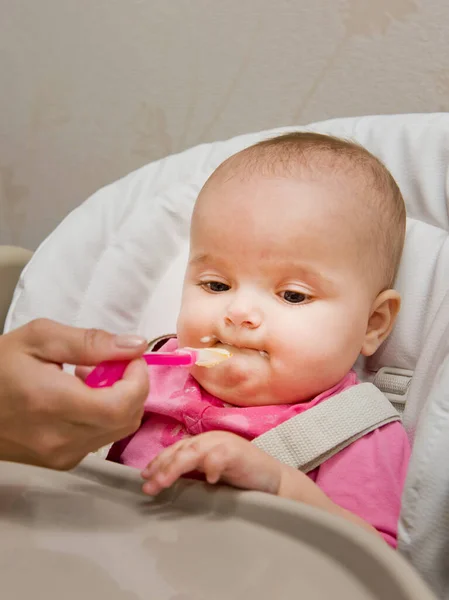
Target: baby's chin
239 388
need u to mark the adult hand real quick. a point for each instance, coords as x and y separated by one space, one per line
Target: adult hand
53 419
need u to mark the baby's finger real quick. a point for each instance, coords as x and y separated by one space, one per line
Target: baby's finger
215 463
156 463
152 488
165 475
186 459
163 458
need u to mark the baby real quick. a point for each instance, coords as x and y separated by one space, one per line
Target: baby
295 243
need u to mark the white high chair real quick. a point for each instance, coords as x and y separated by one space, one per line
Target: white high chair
117 262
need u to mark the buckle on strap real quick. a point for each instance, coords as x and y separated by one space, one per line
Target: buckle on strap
394 383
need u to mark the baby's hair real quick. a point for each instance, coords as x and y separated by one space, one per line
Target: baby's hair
314 155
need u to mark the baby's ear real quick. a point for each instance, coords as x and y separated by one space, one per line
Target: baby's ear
382 318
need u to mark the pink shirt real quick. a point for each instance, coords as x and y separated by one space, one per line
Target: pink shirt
366 478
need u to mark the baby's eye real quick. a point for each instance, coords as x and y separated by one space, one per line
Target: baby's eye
215 286
294 297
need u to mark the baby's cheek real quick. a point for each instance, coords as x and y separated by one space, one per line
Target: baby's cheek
331 356
189 326
311 351
298 340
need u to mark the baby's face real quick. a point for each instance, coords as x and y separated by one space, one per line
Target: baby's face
275 276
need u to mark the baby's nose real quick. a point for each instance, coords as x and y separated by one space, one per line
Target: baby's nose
243 315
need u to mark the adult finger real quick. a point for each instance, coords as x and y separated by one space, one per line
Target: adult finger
117 409
82 372
54 342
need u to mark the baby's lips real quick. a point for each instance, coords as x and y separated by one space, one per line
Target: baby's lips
235 349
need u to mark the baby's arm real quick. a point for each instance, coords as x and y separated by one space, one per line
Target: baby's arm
297 486
226 457
367 478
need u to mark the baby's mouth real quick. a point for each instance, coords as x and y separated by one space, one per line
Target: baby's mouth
233 347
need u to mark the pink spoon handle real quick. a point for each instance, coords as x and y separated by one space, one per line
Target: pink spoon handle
179 358
108 373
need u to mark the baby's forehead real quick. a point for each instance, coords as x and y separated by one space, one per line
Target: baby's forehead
329 206
347 190
349 181
336 212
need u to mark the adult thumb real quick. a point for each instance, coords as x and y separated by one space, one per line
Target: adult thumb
54 342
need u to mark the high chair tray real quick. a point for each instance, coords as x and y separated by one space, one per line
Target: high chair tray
92 534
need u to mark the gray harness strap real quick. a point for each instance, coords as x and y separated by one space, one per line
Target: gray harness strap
309 439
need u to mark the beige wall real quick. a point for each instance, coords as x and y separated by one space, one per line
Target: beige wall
91 89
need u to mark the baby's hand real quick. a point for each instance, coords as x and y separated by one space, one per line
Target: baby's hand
221 456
